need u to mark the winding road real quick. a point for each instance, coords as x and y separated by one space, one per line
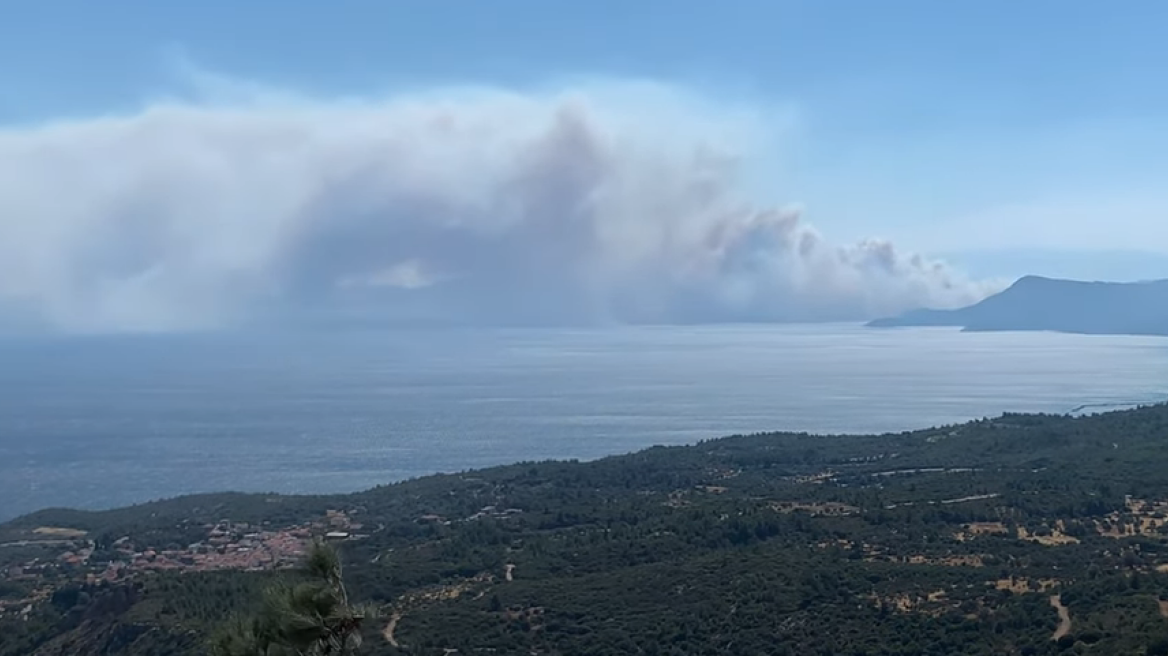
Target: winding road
1064 614
390 627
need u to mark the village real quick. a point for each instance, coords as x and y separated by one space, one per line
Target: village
227 545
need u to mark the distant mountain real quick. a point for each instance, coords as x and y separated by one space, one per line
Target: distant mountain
1070 306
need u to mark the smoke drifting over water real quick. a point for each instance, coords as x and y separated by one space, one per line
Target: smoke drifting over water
467 206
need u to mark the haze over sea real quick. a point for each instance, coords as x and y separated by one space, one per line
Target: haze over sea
102 422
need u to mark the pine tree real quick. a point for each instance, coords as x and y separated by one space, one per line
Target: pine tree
309 615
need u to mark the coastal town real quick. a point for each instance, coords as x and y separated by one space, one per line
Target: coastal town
226 544
71 556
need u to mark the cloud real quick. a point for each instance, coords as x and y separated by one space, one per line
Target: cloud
593 203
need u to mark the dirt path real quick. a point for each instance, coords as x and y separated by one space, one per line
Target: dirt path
509 572
390 627
1163 608
1064 626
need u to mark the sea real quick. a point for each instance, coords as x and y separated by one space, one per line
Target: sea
99 422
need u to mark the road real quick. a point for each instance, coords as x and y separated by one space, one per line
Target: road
1064 626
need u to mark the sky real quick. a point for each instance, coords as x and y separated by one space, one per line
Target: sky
182 165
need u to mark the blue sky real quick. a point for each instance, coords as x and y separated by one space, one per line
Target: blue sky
955 128
1024 64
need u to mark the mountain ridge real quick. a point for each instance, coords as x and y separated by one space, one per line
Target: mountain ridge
1037 303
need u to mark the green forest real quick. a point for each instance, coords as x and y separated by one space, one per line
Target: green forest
1020 534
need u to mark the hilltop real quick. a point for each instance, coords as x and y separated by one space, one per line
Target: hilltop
1037 303
1022 534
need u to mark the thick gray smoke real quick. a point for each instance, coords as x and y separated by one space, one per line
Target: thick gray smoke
474 207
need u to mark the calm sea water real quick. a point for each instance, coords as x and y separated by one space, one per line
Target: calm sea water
109 421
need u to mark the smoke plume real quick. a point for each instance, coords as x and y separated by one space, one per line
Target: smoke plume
468 206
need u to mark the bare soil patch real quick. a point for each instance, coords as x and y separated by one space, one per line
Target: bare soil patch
829 508
1024 586
59 532
1056 538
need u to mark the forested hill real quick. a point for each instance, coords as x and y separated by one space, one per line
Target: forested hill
1022 534
1071 306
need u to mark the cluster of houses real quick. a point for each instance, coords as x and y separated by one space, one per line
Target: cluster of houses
227 545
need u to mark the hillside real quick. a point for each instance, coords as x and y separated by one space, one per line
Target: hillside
1035 303
1023 534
